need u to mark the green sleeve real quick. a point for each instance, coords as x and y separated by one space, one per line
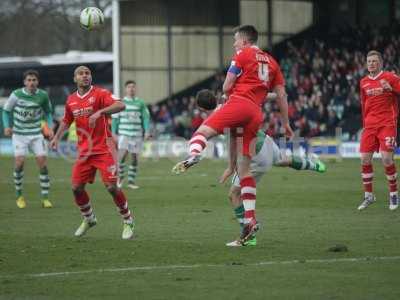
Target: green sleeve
114 125
6 119
49 120
46 105
145 118
48 110
10 102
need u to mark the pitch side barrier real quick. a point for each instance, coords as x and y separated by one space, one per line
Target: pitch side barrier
326 148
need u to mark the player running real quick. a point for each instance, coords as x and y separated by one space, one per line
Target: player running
90 107
267 155
379 92
251 75
29 106
130 125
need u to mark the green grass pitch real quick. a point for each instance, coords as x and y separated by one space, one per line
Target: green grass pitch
183 223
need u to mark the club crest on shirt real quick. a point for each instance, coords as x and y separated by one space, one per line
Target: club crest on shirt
92 100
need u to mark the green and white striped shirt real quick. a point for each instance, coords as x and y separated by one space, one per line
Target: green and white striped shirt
134 120
28 110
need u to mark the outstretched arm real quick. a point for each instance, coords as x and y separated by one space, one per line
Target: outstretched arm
64 125
229 82
232 159
117 106
60 131
283 107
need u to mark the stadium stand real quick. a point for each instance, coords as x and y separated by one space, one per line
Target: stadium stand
322 75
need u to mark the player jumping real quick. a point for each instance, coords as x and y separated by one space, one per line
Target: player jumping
90 107
29 106
379 93
251 75
267 155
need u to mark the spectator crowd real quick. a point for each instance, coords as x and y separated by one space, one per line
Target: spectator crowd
322 77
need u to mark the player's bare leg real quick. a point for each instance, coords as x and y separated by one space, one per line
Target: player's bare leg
121 166
132 171
248 197
391 175
83 202
197 144
18 180
44 179
122 205
367 175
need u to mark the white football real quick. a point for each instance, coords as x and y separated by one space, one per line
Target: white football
91 18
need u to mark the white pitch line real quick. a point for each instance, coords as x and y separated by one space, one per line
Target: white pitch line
196 266
63 180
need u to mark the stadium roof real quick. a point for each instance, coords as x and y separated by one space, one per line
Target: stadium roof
56 69
68 58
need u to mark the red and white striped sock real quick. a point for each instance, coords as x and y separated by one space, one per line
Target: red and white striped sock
367 175
248 196
197 144
391 176
83 202
122 204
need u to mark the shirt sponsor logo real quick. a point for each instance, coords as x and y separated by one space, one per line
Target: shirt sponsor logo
374 91
28 114
83 112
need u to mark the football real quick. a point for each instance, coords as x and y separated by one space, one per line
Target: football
91 18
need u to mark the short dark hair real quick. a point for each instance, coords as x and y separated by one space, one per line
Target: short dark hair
375 52
249 31
206 99
129 82
32 73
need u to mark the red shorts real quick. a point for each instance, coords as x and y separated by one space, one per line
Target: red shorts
84 170
378 139
240 114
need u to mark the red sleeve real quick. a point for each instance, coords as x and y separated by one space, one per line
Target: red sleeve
68 116
107 98
278 78
239 59
395 83
362 101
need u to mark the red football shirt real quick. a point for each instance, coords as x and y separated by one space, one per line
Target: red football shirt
379 107
257 72
78 108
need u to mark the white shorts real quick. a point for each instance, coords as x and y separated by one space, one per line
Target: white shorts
22 143
130 144
261 163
